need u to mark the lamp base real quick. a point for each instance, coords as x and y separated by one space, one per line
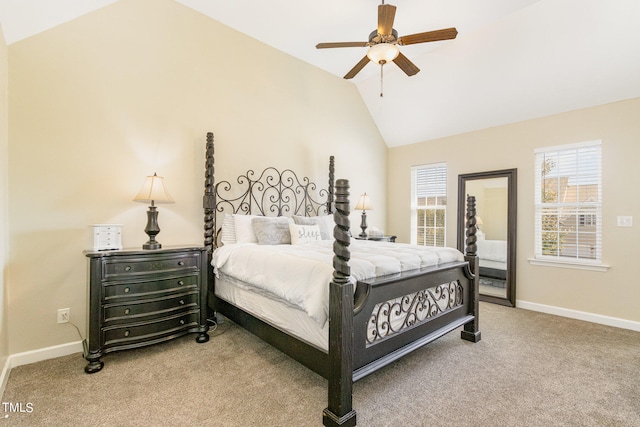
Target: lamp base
152 229
152 245
363 225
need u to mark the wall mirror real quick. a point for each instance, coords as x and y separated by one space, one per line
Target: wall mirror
495 193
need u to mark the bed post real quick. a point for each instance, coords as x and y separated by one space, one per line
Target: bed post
209 204
340 411
330 196
471 330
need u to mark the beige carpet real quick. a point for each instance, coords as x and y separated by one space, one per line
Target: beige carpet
530 369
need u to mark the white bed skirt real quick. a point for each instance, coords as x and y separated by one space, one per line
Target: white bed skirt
275 312
391 315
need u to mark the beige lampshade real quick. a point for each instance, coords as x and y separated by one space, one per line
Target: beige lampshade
153 191
364 204
383 53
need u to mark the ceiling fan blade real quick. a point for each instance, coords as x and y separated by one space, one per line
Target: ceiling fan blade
405 65
341 44
429 36
386 15
359 66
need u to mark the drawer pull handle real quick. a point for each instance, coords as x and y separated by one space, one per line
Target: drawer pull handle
182 322
180 263
127 311
126 290
181 302
127 268
180 282
126 333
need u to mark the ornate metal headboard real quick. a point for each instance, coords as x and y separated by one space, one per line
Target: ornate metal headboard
271 192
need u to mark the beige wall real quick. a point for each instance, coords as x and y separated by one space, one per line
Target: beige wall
131 89
613 293
491 205
4 173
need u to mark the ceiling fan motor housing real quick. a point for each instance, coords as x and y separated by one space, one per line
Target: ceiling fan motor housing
376 38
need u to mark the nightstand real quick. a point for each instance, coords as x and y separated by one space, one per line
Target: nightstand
378 238
142 297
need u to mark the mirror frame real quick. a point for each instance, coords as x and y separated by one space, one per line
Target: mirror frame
512 194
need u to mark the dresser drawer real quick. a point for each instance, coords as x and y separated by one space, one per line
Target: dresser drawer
148 331
149 288
134 311
134 265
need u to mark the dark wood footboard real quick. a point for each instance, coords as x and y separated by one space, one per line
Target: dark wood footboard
403 312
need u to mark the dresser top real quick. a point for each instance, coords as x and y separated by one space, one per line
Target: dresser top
140 251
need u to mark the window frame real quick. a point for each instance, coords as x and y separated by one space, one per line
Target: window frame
579 209
441 180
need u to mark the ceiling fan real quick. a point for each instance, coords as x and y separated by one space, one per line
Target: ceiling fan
383 43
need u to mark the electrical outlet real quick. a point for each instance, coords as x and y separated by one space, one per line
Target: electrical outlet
625 221
64 314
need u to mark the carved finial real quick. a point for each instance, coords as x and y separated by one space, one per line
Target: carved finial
471 248
341 252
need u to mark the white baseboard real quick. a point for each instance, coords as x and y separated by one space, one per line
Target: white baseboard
34 356
4 375
580 315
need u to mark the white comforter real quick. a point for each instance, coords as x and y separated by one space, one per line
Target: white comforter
492 250
300 274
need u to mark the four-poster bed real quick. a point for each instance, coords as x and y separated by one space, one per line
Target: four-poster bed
371 319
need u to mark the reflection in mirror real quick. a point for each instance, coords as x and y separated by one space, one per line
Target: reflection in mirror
495 194
491 205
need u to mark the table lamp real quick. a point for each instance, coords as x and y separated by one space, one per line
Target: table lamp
364 204
153 192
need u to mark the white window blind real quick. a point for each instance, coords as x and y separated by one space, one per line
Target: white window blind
429 204
568 205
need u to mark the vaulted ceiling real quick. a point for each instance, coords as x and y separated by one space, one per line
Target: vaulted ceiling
512 59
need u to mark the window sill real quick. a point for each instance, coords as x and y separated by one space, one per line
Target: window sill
569 264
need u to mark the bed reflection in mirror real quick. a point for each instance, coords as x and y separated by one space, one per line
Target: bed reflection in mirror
495 193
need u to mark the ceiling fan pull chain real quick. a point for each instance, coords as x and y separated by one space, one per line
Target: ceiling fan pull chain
381 68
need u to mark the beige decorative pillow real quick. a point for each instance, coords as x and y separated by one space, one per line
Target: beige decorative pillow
272 230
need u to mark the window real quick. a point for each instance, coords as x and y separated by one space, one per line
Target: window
428 204
569 203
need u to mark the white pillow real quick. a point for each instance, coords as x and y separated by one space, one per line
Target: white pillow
304 233
228 231
324 222
244 228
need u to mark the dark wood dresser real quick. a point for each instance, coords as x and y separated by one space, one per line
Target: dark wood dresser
143 297
391 239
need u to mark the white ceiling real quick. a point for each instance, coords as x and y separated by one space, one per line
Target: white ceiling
512 60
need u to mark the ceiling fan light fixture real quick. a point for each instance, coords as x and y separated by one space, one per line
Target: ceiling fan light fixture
383 52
